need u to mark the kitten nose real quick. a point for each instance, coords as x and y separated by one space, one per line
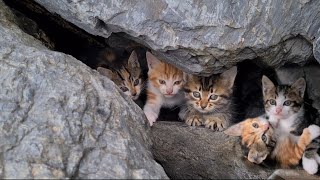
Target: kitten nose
278 110
266 127
203 106
134 94
169 90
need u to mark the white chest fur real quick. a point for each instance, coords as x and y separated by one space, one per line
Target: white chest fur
177 100
283 126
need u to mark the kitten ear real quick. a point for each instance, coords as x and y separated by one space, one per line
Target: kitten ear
133 61
299 86
267 84
152 60
234 130
107 72
109 55
229 76
185 77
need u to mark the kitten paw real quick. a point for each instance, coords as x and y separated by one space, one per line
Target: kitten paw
193 120
314 131
310 165
215 123
151 116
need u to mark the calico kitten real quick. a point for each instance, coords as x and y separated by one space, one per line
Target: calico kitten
126 75
262 141
209 100
284 105
164 87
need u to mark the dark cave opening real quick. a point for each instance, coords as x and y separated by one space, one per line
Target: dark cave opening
59 35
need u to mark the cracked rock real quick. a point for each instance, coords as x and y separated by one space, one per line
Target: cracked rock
61 119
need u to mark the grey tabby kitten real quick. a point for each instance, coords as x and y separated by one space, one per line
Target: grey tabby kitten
127 75
209 100
284 104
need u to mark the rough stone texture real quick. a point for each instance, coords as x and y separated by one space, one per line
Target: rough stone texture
198 153
192 153
205 36
292 174
61 119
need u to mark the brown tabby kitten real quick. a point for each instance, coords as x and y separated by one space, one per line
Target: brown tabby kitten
209 100
126 75
260 138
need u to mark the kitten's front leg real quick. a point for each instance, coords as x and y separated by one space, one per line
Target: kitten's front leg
193 118
216 122
151 110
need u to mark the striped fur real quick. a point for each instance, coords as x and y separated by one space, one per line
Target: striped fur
287 151
284 104
127 76
256 135
165 83
288 119
209 100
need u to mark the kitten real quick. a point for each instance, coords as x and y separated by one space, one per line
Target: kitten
284 105
164 89
209 100
262 141
126 75
95 57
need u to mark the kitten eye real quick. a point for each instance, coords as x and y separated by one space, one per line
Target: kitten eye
272 102
177 82
255 125
136 82
196 94
287 103
264 138
124 89
162 81
213 97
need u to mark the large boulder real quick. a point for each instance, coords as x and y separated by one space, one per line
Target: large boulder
61 119
205 36
199 153
188 152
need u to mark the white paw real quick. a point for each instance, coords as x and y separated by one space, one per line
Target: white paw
310 165
314 131
151 116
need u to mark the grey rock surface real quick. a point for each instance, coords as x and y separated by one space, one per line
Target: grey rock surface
205 37
194 153
61 119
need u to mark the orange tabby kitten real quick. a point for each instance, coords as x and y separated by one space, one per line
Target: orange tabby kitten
164 89
259 137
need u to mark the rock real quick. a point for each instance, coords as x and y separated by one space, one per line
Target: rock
205 37
61 119
292 174
194 153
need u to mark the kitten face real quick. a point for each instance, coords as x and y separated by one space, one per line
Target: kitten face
283 101
209 94
127 78
256 134
167 79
